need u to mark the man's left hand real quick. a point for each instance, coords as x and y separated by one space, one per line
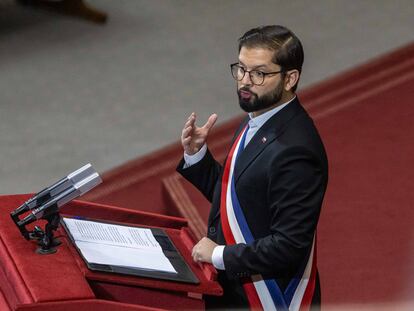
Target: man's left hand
203 250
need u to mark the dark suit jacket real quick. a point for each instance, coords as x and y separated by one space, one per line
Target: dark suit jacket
280 183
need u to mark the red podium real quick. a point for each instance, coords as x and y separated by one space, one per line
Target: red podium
61 281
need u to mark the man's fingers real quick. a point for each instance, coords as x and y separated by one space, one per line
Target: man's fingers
186 131
191 115
211 121
191 120
194 253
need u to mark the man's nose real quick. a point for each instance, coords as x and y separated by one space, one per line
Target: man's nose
246 79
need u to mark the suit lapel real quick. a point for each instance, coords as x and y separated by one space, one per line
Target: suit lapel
265 135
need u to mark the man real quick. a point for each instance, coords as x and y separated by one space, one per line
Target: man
267 197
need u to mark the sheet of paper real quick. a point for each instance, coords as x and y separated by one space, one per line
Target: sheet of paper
96 232
126 257
118 245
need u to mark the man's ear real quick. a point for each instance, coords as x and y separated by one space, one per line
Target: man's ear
291 79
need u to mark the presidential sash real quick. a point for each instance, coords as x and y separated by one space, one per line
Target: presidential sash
262 294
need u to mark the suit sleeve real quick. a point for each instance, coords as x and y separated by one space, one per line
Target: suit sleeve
203 175
297 182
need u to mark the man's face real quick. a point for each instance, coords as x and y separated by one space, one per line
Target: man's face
259 98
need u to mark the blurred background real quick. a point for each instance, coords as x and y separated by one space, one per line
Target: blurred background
73 91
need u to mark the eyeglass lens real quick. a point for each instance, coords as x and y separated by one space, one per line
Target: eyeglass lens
238 72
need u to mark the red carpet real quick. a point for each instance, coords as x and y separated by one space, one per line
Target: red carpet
366 119
367 223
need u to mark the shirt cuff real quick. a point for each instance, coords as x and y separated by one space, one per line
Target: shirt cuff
194 158
217 257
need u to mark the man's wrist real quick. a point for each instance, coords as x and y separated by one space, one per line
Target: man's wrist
217 257
196 157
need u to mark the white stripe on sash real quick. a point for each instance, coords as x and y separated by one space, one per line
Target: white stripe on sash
235 229
263 293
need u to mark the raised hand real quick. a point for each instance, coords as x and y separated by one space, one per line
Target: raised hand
194 137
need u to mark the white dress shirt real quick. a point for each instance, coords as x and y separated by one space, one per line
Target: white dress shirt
255 123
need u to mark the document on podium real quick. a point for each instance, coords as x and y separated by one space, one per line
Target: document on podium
117 245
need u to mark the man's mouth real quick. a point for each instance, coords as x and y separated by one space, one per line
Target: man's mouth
245 95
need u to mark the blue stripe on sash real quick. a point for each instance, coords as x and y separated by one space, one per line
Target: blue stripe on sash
248 237
293 284
290 289
277 295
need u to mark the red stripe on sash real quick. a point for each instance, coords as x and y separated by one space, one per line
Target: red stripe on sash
310 288
252 296
228 235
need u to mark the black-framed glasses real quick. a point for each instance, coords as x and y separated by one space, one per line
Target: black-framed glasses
256 76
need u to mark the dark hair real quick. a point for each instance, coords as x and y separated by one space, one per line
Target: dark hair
287 47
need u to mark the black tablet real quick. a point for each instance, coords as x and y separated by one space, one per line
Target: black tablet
184 273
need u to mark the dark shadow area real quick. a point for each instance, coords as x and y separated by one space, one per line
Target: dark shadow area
15 17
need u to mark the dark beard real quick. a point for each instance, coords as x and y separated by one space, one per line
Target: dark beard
259 103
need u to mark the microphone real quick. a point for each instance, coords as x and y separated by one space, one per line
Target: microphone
51 191
54 204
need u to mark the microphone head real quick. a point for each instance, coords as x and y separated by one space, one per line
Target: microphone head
88 183
79 189
81 173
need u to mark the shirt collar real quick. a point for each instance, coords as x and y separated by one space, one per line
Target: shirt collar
260 120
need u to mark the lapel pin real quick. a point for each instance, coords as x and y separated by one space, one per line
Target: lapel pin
264 139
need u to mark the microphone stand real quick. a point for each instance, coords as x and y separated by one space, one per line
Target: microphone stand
46 240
